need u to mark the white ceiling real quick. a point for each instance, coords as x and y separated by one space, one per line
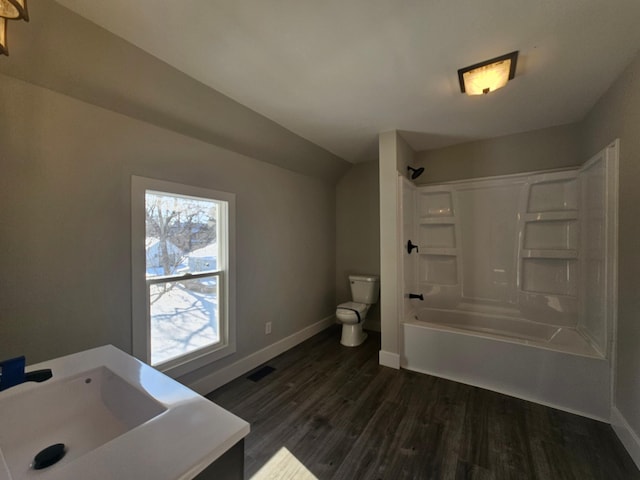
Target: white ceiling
338 72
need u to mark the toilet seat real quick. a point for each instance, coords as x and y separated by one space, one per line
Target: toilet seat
352 312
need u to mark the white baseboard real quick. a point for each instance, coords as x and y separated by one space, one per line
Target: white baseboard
627 436
220 377
389 359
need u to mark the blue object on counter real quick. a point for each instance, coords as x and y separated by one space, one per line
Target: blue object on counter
12 372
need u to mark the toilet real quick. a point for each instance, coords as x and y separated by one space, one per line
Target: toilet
364 293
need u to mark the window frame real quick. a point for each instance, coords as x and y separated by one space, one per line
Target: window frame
226 267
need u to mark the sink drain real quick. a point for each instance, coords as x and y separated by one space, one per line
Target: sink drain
49 456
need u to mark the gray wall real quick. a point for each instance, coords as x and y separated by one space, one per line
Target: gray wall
64 52
358 231
617 115
65 239
82 111
549 148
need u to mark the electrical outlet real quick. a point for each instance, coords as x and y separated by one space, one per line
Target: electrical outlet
267 328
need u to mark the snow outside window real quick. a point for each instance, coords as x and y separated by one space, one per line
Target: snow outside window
182 252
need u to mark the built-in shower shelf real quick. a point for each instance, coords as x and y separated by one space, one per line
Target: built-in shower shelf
435 204
549 253
438 267
448 220
543 293
442 284
550 275
437 236
438 251
550 216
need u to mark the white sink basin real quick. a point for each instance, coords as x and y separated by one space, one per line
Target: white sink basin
117 417
83 412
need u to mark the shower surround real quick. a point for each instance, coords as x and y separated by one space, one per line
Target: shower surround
518 278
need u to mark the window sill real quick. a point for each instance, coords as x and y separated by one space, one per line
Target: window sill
189 365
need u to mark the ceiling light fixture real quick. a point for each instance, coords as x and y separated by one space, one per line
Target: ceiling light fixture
10 10
485 77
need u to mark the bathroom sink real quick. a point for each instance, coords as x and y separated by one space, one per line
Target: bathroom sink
117 417
84 412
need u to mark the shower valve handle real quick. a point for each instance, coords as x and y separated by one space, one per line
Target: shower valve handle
411 246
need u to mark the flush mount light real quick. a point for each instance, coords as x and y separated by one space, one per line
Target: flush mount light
485 77
3 36
10 10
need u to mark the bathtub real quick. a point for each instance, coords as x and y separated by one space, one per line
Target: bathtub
508 329
518 273
551 365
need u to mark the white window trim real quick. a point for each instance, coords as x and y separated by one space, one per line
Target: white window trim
140 312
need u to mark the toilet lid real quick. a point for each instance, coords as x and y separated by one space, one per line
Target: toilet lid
352 312
354 307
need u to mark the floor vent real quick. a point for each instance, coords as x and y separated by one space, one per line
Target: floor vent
260 373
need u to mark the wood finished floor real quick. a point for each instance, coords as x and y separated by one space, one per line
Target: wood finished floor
345 417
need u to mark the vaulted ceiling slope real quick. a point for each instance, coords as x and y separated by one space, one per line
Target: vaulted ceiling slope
339 72
67 53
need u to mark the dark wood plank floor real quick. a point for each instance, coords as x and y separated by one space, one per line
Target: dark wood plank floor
345 417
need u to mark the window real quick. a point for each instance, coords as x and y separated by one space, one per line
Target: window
183 274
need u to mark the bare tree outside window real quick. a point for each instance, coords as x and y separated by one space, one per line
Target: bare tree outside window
179 225
181 240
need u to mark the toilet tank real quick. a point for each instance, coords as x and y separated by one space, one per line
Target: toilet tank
364 288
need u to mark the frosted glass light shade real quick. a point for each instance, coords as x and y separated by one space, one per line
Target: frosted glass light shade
3 37
488 76
10 10
487 79
14 9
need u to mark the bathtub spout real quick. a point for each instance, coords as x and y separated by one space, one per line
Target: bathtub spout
413 295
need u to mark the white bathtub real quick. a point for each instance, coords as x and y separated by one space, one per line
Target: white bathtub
555 366
508 329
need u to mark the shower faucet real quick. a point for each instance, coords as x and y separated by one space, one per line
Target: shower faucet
414 295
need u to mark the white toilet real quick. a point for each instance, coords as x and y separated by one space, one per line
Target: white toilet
364 292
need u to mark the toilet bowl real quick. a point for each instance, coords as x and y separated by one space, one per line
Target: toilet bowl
352 315
364 292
